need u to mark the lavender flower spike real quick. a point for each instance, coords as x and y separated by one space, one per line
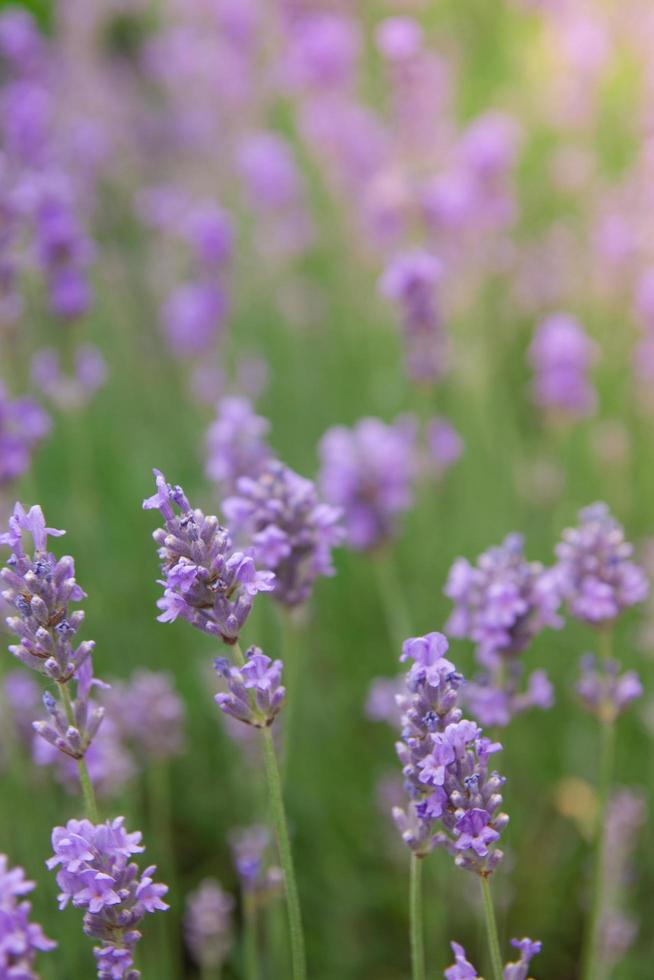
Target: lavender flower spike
248 846
20 939
40 589
236 443
96 874
206 582
596 574
291 531
605 692
463 970
255 694
454 800
208 924
369 471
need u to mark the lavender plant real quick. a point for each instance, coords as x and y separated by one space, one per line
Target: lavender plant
213 588
20 939
209 927
454 798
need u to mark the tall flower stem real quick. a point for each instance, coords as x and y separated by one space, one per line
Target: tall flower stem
273 777
291 638
491 929
392 597
416 919
590 954
85 780
160 814
298 956
250 946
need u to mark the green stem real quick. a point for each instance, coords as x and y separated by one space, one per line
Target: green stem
590 956
84 778
292 654
491 929
160 814
250 945
281 830
392 597
416 919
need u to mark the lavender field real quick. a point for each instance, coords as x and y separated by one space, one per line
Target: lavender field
326 489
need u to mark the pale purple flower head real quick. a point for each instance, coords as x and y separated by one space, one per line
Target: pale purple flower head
96 874
604 690
206 582
562 354
454 800
236 443
73 736
444 444
23 424
368 472
249 847
20 939
40 588
399 39
494 698
148 713
269 172
323 49
208 924
255 694
288 527
209 231
461 969
502 602
193 317
596 574
411 280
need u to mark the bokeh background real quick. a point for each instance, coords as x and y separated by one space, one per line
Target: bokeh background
164 94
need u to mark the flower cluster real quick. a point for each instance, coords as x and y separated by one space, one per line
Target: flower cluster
249 846
289 529
561 354
23 424
147 713
69 391
236 443
368 471
595 572
626 815
254 694
40 589
206 582
604 690
445 761
411 281
208 924
20 939
73 731
502 602
462 969
96 874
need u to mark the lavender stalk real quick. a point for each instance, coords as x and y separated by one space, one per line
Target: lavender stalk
491 929
416 919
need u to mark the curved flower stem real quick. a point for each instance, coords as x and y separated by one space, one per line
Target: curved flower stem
491 929
392 597
292 653
250 947
590 954
286 859
416 919
85 780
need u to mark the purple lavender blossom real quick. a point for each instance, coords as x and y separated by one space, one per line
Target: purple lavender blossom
69 391
322 52
518 970
368 472
249 846
20 939
626 816
208 924
604 691
444 444
494 699
109 764
23 424
205 581
72 732
148 713
411 281
445 765
21 697
502 602
595 573
255 694
289 529
96 874
193 317
562 354
40 588
209 231
236 443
